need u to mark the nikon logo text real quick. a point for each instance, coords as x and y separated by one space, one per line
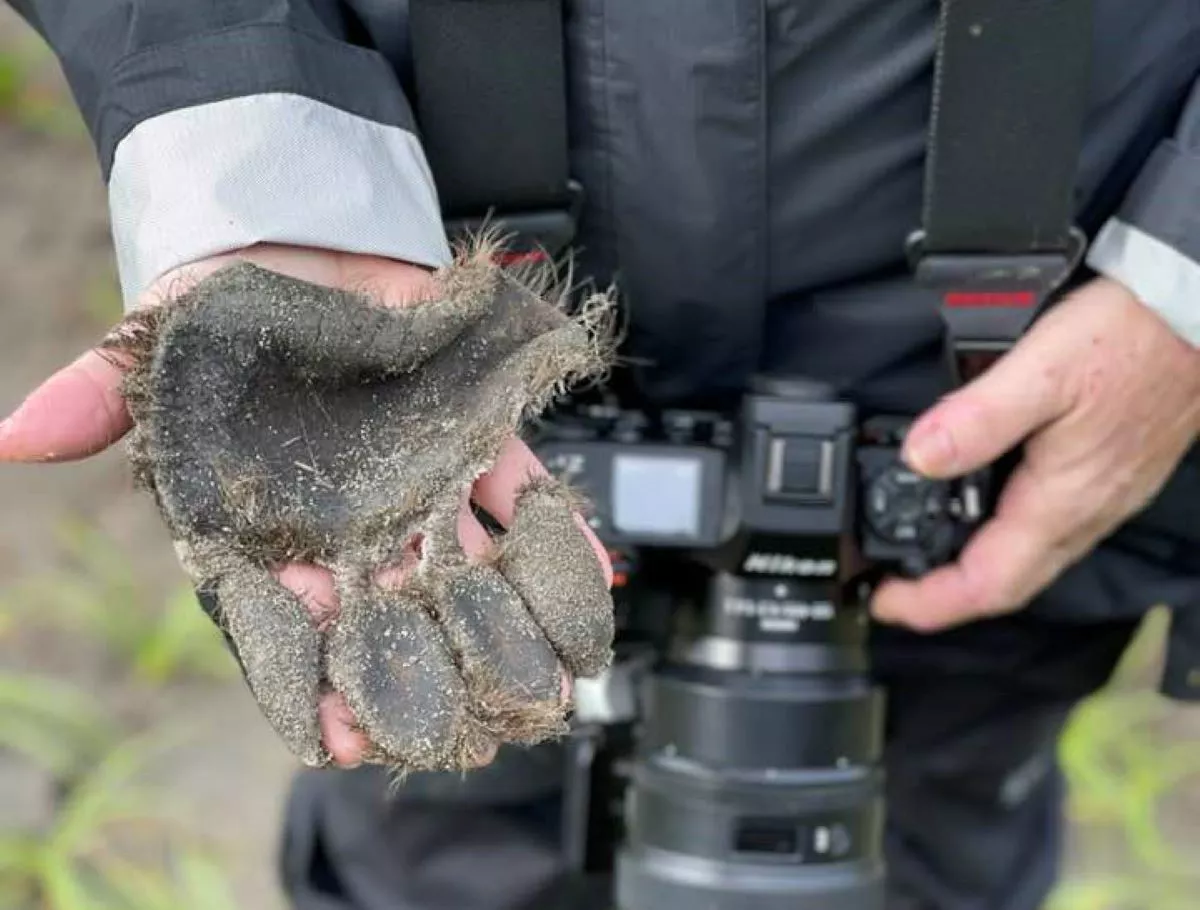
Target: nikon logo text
783 564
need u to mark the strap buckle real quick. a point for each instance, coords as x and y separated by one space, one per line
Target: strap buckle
989 300
533 236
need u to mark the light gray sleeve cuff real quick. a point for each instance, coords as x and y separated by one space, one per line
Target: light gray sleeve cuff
1159 275
280 168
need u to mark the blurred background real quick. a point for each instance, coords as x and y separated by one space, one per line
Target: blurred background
134 764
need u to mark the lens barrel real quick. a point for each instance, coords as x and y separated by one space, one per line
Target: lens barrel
756 784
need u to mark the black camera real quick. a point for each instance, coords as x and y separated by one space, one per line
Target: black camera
730 757
776 490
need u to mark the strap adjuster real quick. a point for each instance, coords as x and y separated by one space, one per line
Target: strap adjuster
532 236
989 300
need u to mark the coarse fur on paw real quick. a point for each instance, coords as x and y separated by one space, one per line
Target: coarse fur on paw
277 421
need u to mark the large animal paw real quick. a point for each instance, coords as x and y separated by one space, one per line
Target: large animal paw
280 422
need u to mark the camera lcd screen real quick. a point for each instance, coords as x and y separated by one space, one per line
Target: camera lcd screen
656 495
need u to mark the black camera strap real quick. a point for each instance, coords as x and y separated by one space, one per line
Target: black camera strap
491 99
1010 94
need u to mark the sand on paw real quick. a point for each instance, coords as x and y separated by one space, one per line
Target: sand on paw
279 421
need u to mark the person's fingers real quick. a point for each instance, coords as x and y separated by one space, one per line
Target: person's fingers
566 690
314 586
1023 391
344 742
599 548
497 490
75 413
1007 561
473 537
477 543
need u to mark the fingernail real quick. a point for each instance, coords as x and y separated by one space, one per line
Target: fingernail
929 451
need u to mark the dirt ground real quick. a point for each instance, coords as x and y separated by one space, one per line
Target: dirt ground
56 295
56 290
53 249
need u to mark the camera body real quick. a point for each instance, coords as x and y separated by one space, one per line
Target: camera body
730 758
791 486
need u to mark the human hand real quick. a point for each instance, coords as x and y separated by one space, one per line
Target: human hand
1107 400
80 411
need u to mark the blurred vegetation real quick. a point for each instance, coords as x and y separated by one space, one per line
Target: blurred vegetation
108 842
1124 772
31 93
96 597
102 303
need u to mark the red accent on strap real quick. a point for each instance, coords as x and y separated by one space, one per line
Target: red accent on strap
520 258
1022 299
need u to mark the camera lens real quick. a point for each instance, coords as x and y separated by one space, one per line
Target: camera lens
757 783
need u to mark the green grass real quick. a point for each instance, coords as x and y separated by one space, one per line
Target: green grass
96 598
102 303
57 727
1123 770
31 93
109 842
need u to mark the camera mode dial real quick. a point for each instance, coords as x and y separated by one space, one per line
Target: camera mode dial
903 507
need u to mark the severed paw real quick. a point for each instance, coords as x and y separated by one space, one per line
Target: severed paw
280 422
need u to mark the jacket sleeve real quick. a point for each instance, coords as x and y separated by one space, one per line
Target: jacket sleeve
1152 245
219 125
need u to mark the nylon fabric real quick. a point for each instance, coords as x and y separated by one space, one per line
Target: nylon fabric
234 167
1009 99
472 97
684 102
1165 201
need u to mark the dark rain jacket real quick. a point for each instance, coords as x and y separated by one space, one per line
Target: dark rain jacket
751 168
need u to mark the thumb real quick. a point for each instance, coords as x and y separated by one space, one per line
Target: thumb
1020 393
77 412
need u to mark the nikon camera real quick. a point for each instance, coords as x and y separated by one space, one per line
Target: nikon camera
730 757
